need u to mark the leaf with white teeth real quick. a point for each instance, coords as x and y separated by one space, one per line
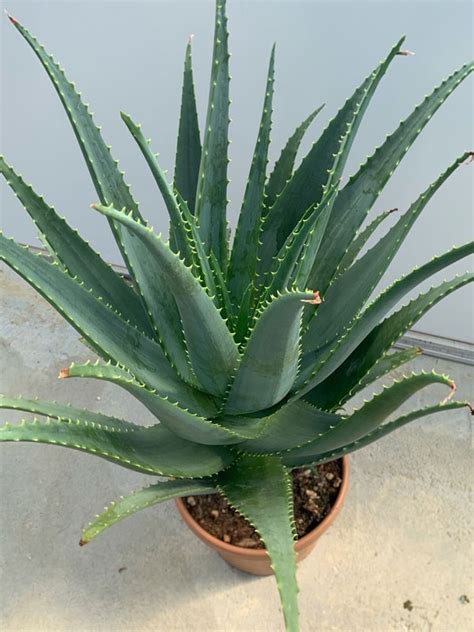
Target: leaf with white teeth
246 363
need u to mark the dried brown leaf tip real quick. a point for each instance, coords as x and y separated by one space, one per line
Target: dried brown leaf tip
11 18
63 373
83 542
453 388
316 300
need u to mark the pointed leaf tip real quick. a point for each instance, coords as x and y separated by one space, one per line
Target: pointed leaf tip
13 20
82 542
63 373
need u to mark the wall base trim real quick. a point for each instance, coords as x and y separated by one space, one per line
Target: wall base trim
438 346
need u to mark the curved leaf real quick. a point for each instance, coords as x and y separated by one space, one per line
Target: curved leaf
179 229
283 169
291 426
65 412
76 255
369 416
142 499
323 397
152 450
371 437
367 322
104 331
106 176
349 292
184 423
321 167
269 363
361 239
360 193
212 349
299 250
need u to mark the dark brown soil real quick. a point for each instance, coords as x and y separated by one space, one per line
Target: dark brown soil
314 489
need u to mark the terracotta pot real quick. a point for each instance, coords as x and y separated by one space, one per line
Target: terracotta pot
256 561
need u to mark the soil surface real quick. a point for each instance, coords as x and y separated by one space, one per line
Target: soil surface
314 490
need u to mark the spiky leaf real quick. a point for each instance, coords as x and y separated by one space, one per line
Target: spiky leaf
211 196
323 397
106 176
322 165
152 450
142 499
188 149
270 359
243 259
371 414
212 349
65 412
186 424
375 435
109 335
76 255
348 293
260 489
283 169
363 189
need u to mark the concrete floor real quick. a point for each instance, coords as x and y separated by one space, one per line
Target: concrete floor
404 536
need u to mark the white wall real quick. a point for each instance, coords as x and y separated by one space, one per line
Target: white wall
125 55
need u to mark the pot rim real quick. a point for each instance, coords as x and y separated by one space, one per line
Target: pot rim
300 544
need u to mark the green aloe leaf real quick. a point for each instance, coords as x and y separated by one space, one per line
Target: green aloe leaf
166 189
243 259
196 401
106 176
211 196
212 349
222 298
361 239
76 255
269 363
371 414
65 412
259 487
291 426
183 422
152 450
283 169
149 496
366 349
323 397
108 334
329 358
322 166
362 190
188 149
204 266
292 265
349 292
383 430
242 321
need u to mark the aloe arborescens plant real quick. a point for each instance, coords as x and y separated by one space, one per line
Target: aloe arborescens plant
246 355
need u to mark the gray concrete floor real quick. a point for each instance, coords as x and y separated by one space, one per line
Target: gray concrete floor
404 534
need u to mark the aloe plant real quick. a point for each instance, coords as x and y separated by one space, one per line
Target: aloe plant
246 354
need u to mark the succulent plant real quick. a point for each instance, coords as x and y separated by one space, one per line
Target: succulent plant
247 355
